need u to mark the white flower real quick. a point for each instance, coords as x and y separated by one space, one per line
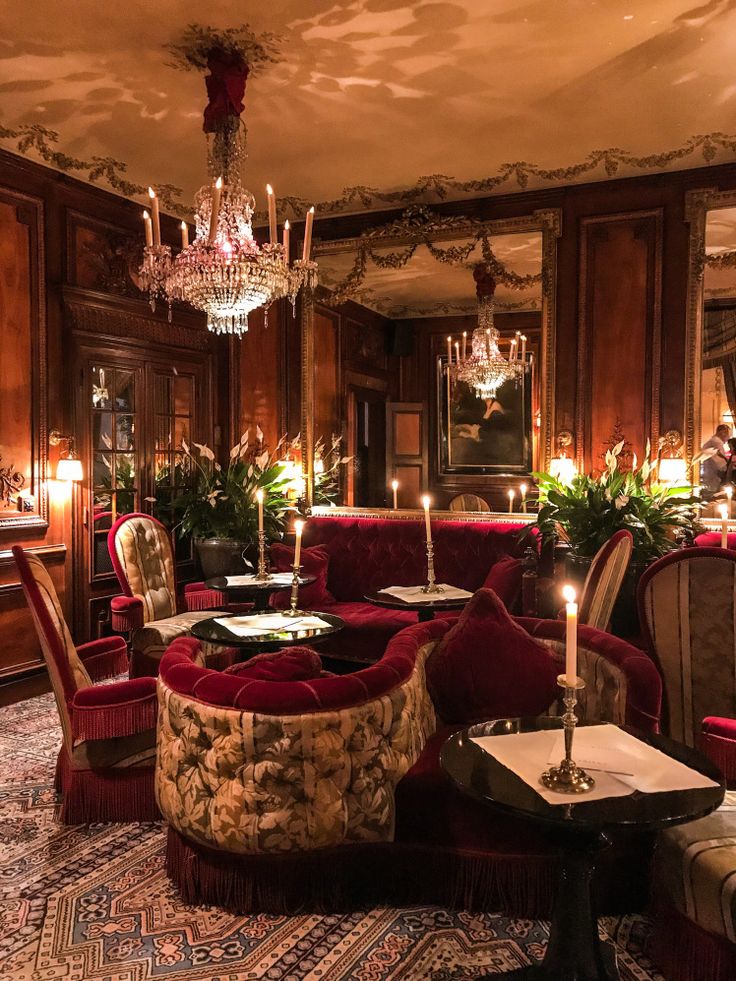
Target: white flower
205 451
621 501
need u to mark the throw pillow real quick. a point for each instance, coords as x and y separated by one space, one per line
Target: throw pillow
504 578
488 667
290 664
314 562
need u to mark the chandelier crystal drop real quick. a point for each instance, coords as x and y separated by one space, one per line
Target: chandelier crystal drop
485 369
225 272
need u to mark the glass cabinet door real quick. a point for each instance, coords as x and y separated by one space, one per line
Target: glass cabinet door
173 405
115 484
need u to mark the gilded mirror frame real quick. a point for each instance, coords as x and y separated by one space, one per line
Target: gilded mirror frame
697 205
404 232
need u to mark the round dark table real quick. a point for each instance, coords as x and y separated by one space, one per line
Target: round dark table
258 592
575 952
425 609
217 633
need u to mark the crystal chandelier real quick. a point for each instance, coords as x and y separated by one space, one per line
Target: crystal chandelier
485 369
224 272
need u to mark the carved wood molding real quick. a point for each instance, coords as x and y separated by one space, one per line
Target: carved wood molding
101 319
49 554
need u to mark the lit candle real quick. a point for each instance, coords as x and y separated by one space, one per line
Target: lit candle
523 347
395 489
724 525
457 352
517 341
148 229
571 637
512 495
465 342
512 349
259 498
522 488
215 212
425 505
307 251
184 235
156 217
729 494
298 529
272 233
449 349
287 236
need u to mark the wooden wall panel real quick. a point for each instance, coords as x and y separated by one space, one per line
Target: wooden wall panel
619 333
259 358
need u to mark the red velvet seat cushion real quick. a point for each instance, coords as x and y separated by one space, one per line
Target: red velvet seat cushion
315 562
504 578
487 666
290 664
367 631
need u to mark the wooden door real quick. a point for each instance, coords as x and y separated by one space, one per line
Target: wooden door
406 450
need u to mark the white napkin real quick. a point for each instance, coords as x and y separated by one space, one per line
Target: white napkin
269 623
277 579
414 594
619 762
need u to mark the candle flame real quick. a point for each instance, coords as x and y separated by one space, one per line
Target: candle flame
269 190
259 494
218 183
425 502
298 527
523 337
394 485
569 593
146 215
511 492
287 225
729 491
523 488
723 510
183 226
449 338
151 193
311 210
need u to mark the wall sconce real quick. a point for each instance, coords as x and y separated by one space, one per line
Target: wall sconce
69 466
563 466
672 469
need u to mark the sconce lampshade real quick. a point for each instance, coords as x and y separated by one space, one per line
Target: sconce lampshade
673 472
563 468
69 468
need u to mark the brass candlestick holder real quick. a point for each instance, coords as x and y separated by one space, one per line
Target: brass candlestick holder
262 575
431 586
568 778
293 610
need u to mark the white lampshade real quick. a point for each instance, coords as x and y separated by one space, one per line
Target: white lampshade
563 468
69 468
673 472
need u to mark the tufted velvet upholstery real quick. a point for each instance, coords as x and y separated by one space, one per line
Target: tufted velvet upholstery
369 553
253 766
143 559
366 554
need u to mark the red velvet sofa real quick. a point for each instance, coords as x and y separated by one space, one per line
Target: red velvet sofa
367 554
327 792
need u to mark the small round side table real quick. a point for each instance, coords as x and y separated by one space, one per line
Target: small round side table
258 592
270 640
574 951
425 609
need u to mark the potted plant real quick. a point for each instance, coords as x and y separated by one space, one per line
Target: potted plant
589 509
219 508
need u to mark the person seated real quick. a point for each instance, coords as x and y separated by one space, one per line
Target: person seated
713 467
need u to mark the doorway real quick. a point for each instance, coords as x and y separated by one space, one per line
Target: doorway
368 429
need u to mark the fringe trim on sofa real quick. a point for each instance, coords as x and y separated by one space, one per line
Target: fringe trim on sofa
113 795
111 721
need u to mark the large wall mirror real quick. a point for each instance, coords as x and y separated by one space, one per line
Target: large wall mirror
711 405
386 305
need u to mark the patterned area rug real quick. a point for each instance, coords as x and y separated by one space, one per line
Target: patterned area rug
93 902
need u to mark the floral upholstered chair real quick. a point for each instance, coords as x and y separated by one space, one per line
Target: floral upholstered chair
105 765
143 559
687 610
603 582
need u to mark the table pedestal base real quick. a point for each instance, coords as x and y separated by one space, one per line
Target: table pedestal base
575 951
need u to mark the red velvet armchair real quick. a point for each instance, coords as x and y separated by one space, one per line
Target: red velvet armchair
143 559
105 765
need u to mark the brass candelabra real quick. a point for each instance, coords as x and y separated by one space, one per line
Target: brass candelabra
262 575
431 586
568 777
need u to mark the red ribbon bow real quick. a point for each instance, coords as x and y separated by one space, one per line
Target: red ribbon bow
485 284
225 88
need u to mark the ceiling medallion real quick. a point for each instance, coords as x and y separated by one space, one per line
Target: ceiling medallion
485 369
224 272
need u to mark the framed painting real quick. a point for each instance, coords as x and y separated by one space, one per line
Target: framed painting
483 436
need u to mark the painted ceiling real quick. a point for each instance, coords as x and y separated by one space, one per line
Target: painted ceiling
380 93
